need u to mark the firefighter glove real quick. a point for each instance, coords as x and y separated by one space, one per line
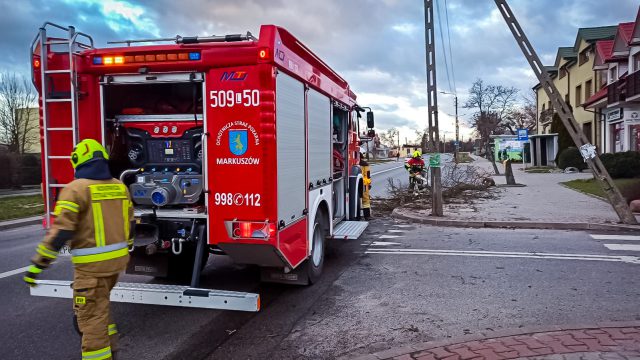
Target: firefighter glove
31 275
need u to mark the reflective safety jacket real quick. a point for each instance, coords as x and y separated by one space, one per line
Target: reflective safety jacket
415 165
97 215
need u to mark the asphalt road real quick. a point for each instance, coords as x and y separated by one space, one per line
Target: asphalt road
398 284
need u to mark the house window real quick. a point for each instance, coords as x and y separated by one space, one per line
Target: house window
578 95
617 137
634 142
566 99
543 107
584 57
563 73
588 90
636 61
549 105
613 74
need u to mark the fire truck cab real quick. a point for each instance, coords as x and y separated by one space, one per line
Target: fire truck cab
229 145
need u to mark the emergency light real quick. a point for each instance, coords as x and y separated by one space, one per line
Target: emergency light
128 59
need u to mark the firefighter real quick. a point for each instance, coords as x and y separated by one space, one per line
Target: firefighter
94 215
415 166
366 186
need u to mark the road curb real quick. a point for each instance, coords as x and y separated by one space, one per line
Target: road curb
489 335
399 213
16 223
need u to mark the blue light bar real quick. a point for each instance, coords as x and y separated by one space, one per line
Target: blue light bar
194 56
97 60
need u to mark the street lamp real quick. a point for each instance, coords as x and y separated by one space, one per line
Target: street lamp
455 151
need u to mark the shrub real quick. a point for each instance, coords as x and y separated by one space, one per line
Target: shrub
623 164
571 157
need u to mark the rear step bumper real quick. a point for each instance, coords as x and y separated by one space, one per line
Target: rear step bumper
349 230
157 294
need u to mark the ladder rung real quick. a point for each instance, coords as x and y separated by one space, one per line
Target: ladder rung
58 157
56 42
57 71
60 129
57 185
58 100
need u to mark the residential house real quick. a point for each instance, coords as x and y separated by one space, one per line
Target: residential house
574 77
617 103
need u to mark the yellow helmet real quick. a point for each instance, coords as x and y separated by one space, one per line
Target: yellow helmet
417 153
86 151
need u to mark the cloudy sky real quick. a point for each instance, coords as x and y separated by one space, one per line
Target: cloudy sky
377 45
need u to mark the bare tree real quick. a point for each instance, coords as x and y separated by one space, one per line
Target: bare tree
18 121
523 116
389 137
493 104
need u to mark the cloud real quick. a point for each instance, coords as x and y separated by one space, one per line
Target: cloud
378 46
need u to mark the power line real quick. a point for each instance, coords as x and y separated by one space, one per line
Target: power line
453 74
444 53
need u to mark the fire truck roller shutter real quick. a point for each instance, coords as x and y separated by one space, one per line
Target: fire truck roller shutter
290 133
319 158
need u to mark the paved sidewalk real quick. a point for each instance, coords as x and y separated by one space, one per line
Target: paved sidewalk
543 200
10 224
604 341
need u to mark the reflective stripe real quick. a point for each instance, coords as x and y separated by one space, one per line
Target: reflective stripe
42 250
29 280
98 250
69 205
112 329
108 192
58 210
100 257
34 269
98 224
101 354
125 217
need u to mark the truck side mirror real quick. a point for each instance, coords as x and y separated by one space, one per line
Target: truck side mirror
370 124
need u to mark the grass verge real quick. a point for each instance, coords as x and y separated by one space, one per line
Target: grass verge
630 188
16 207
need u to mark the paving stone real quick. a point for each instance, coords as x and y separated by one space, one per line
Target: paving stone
497 346
567 340
463 351
403 357
441 353
425 357
489 354
523 350
616 334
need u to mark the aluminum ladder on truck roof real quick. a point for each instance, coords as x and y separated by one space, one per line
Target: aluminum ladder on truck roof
158 294
73 47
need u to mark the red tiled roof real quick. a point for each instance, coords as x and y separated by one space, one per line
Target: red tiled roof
601 94
626 30
604 48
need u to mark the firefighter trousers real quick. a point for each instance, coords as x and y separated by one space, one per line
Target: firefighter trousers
91 308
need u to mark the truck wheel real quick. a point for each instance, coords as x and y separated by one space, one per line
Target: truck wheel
315 262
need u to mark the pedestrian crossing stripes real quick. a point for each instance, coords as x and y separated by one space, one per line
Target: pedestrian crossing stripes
626 246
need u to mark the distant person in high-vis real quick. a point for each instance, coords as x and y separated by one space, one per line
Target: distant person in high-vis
94 215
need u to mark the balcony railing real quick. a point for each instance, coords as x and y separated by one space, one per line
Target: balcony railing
633 84
616 92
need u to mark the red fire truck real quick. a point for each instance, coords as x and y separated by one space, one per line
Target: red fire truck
229 145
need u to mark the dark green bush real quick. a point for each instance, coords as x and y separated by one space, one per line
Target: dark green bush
623 164
571 157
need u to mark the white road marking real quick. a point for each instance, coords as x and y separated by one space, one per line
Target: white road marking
384 171
622 247
530 255
388 236
402 225
616 237
13 272
395 231
384 243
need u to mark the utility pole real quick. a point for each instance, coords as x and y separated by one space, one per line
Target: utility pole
432 108
587 150
457 145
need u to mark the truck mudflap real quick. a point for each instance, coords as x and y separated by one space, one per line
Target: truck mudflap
158 294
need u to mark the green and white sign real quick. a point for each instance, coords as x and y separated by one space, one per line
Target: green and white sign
434 160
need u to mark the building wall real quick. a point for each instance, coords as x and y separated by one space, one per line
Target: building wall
580 76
